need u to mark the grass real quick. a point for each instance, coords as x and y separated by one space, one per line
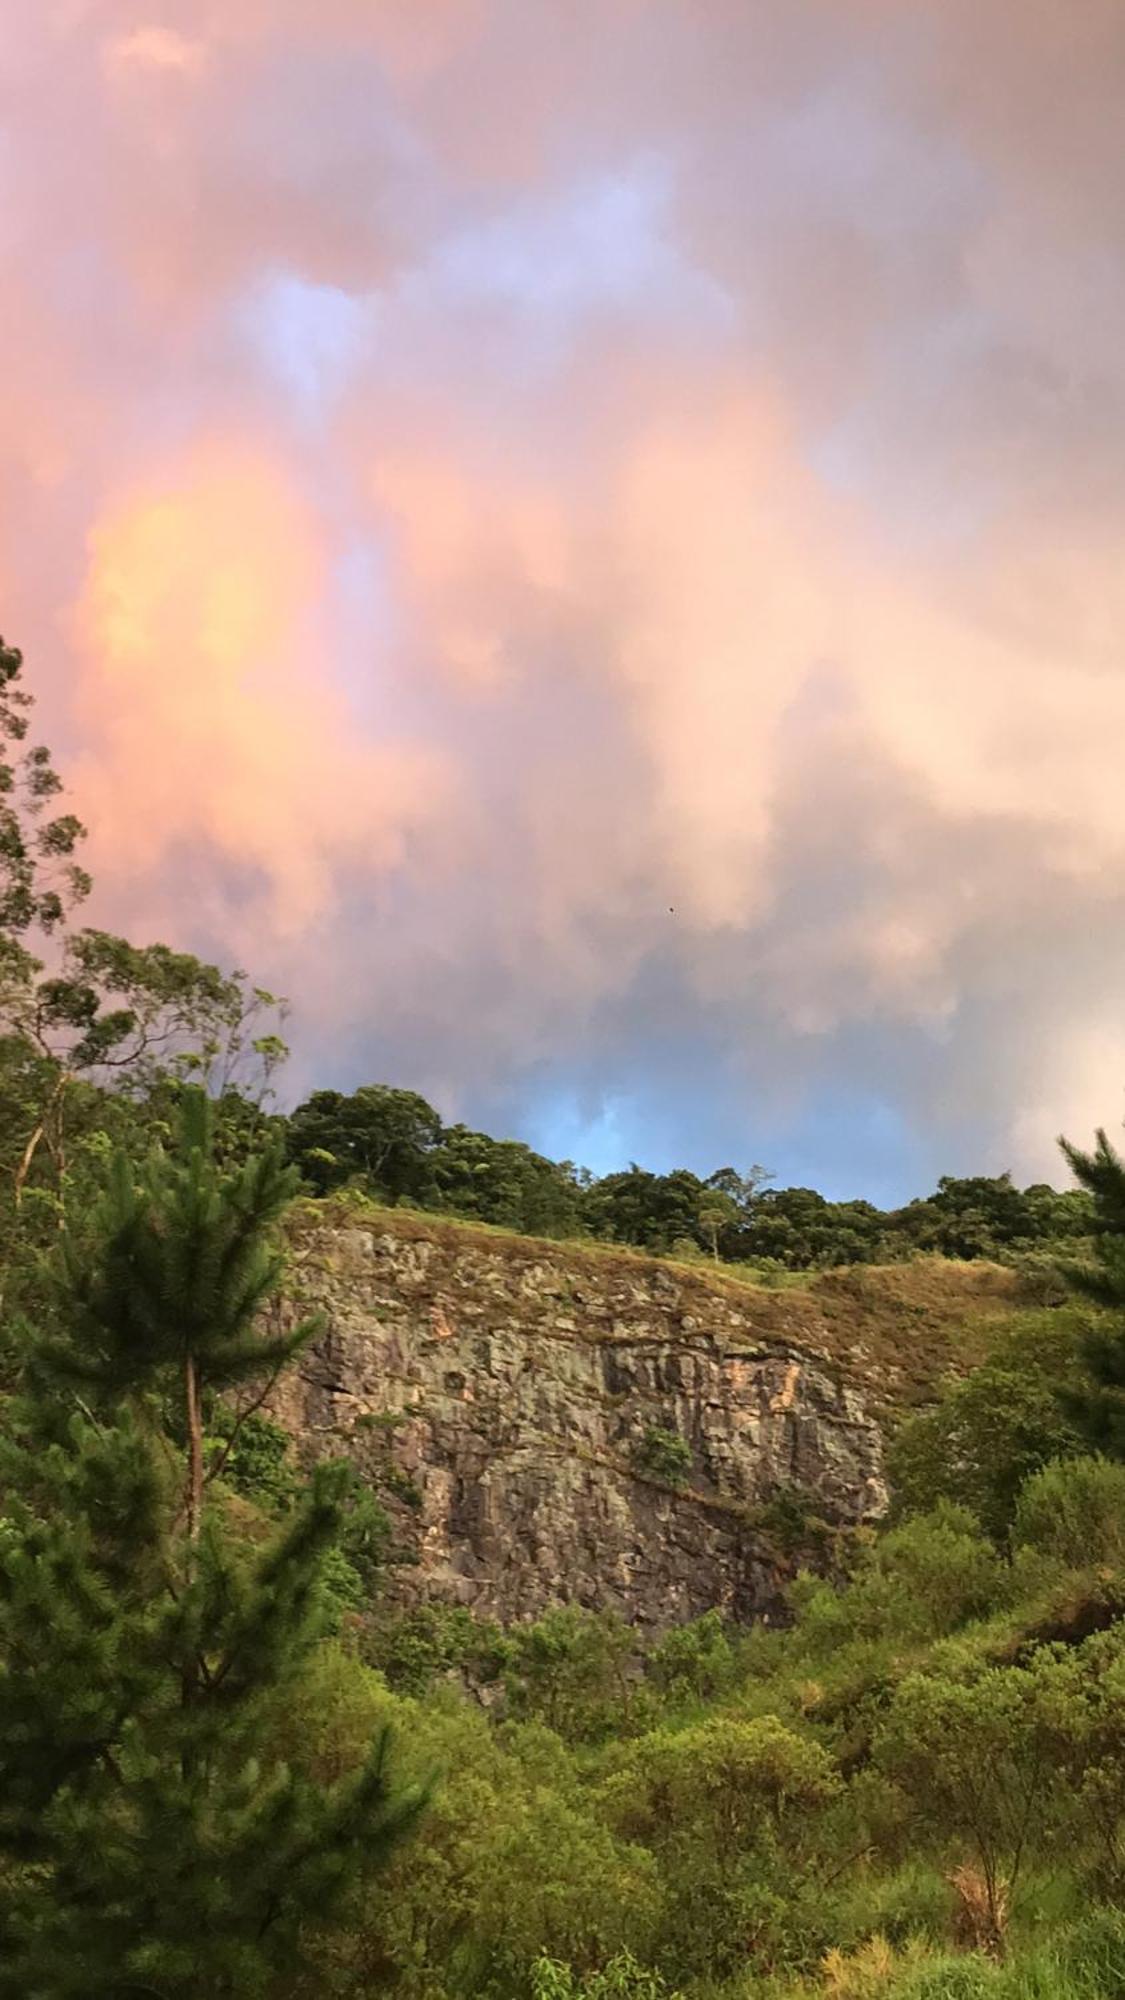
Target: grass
1086 1962
895 1330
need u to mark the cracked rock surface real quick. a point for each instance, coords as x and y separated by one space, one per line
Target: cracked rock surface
512 1384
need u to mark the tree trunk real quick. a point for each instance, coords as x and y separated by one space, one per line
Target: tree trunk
52 1111
194 1410
24 1168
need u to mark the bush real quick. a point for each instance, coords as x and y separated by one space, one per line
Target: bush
570 1669
1074 1511
419 1646
921 1580
664 1453
697 1659
256 1457
621 1979
989 1433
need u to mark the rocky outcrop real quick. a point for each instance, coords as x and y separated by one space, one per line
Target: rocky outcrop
513 1384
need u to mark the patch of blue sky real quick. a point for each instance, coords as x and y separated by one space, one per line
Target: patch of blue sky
852 1143
844 1141
563 1129
558 260
309 338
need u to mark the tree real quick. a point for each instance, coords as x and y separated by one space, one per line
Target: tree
153 1840
718 1215
727 1206
129 1016
653 1211
40 880
979 1215
385 1137
798 1228
169 1293
85 1005
977 1759
733 1808
570 1668
504 1182
1072 1512
512 1863
991 1431
1097 1405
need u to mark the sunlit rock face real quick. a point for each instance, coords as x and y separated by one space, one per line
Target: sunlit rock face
512 1385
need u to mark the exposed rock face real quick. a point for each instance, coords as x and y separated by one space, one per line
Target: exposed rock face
524 1379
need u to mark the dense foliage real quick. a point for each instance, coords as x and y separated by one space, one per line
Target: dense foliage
156 1835
393 1145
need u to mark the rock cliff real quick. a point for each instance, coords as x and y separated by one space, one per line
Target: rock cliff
513 1384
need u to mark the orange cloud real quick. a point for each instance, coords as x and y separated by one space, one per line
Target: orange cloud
155 48
208 692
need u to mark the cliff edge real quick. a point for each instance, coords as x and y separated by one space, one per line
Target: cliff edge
516 1386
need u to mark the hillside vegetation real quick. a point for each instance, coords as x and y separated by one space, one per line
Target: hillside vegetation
228 1769
916 1790
392 1145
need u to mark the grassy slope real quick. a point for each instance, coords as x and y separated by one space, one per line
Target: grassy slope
898 1329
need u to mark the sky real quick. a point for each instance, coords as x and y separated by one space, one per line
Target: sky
584 542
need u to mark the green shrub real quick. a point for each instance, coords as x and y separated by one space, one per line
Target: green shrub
1074 1511
991 1431
256 1457
572 1670
922 1580
697 1659
664 1453
621 1979
419 1646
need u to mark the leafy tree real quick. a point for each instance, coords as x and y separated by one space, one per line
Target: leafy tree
1090 1752
382 1136
653 1211
1073 1512
991 1431
83 1006
504 1182
976 1757
569 1669
40 880
922 1579
799 1229
430 1640
726 1207
513 1863
977 1216
695 1660
169 1292
152 1839
732 1809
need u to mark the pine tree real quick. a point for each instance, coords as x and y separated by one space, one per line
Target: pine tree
153 1839
169 1294
1098 1408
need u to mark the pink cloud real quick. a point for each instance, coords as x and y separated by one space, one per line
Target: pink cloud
697 361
